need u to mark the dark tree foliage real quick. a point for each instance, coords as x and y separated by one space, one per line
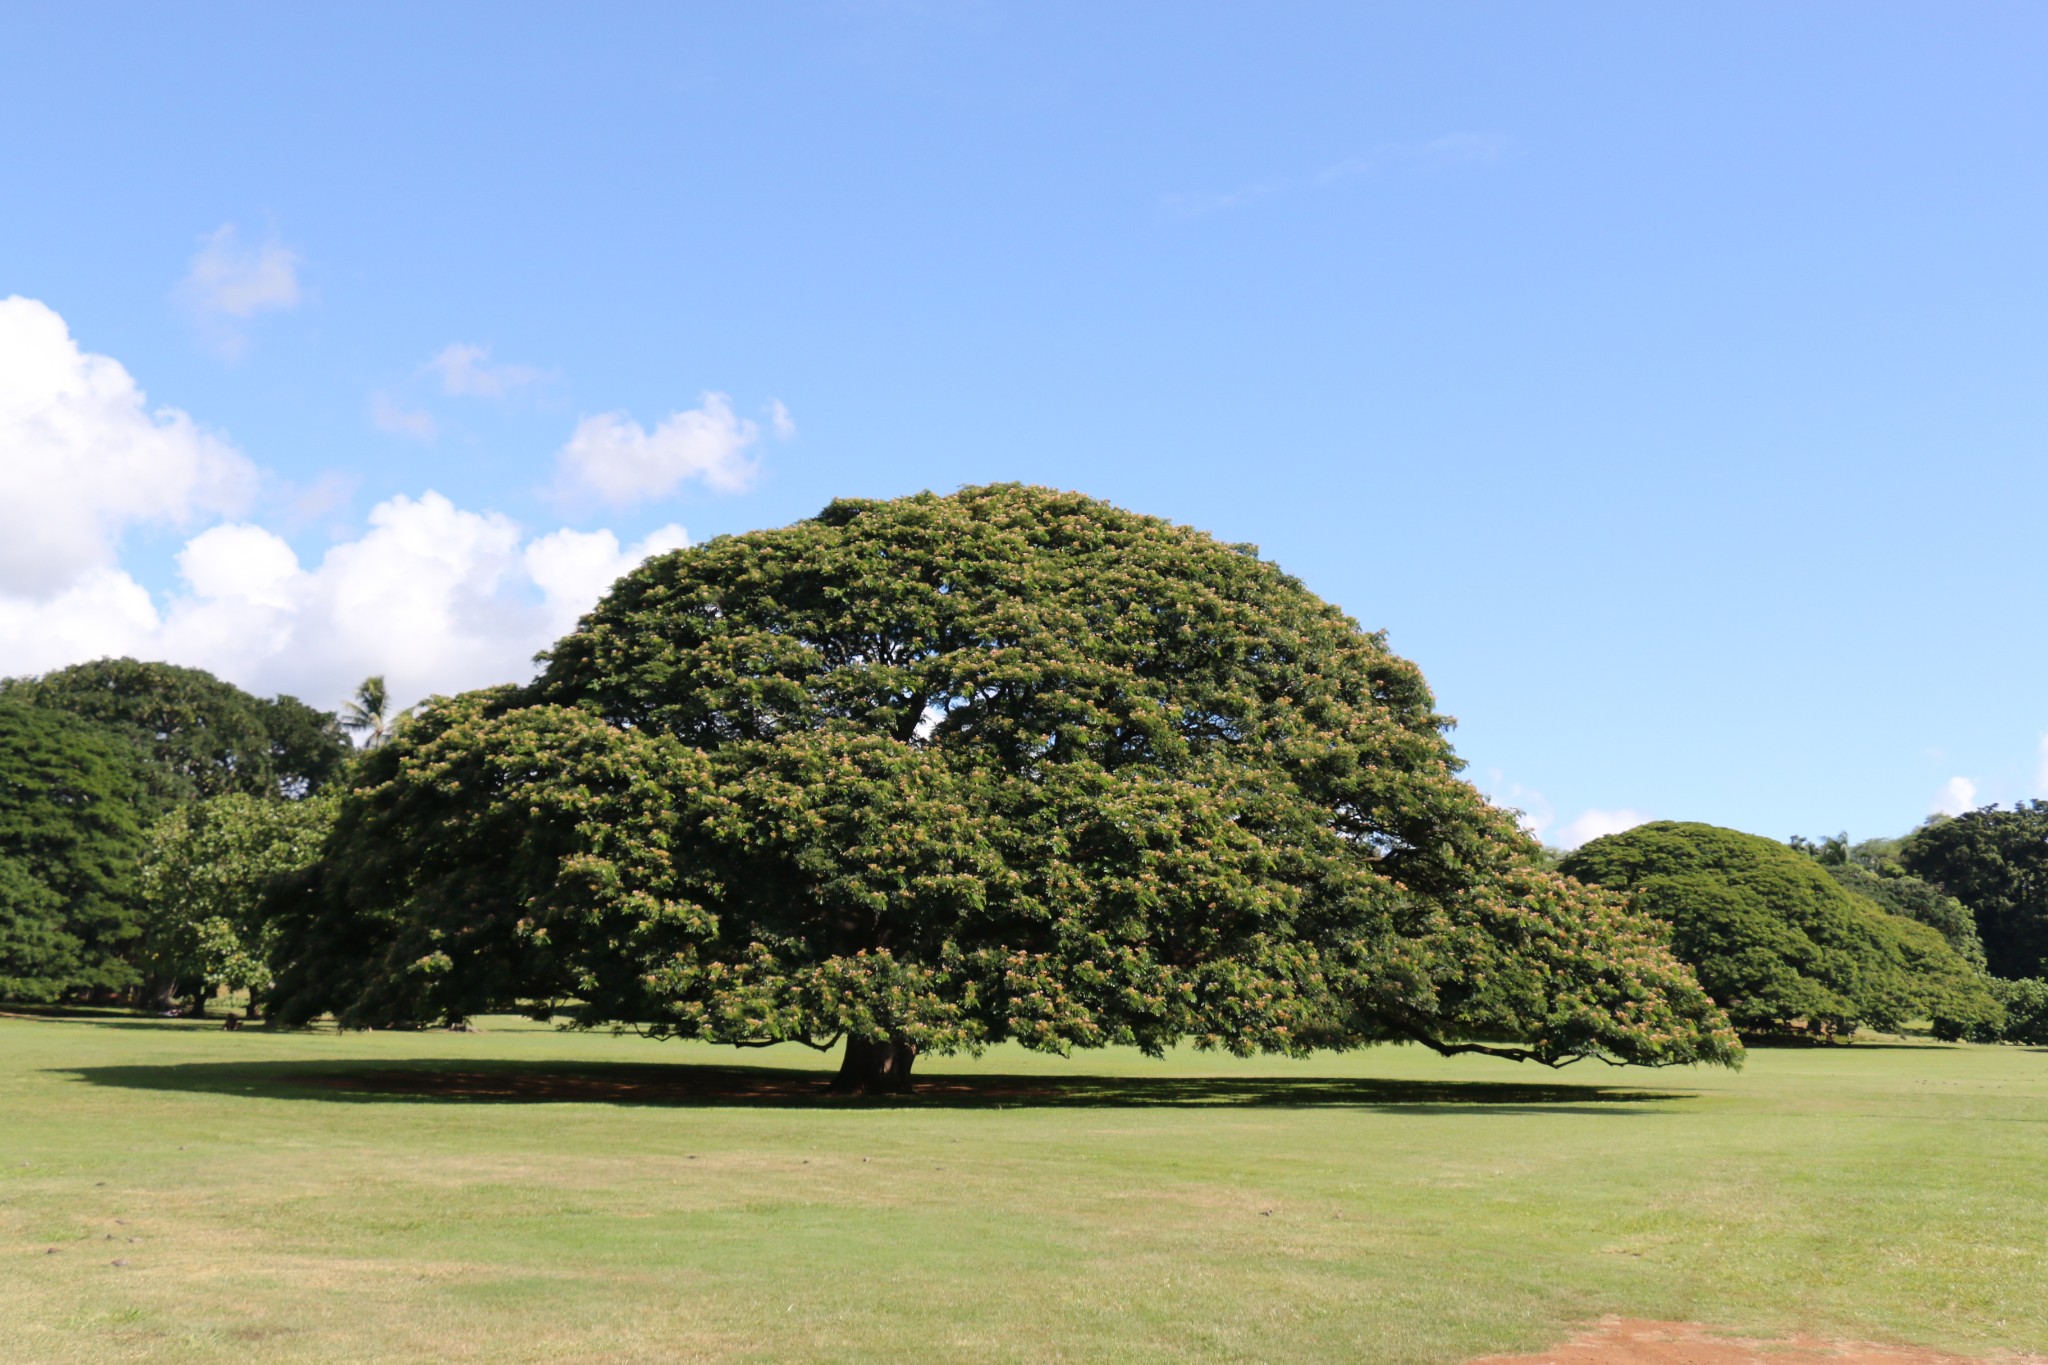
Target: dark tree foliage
1872 868
932 773
70 835
204 737
1995 862
1919 900
309 752
1776 941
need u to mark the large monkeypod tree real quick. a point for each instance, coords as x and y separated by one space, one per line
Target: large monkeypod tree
931 773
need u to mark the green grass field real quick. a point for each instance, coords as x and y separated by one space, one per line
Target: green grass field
523 1195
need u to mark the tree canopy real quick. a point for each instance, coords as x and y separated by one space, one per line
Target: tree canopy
204 874
70 832
1995 862
1871 868
309 753
935 772
1776 940
203 736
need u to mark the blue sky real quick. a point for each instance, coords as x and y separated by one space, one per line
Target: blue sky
1666 380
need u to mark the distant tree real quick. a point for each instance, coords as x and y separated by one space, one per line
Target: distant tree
923 775
204 874
1872 869
1996 863
368 713
70 793
203 737
1879 855
2025 1002
1776 940
1833 851
309 752
1909 896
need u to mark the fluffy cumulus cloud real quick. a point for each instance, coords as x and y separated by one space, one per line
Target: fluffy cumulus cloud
572 569
614 458
103 612
1958 794
1590 825
86 458
436 597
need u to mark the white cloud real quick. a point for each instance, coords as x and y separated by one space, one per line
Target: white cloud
1958 794
467 371
230 277
103 612
621 461
240 563
573 569
435 597
414 423
85 458
231 281
779 420
1592 824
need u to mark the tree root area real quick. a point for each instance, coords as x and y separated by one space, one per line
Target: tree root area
1632 1341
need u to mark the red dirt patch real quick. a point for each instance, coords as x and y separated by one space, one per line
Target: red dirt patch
1631 1341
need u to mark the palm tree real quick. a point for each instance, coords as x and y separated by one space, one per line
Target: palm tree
369 713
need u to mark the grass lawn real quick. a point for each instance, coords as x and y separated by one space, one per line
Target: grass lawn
523 1195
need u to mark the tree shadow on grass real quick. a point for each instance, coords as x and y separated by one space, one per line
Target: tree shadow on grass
691 1084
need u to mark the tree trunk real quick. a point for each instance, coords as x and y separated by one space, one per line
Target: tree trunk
875 1067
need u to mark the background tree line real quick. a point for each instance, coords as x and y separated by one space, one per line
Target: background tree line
1981 879
144 810
1947 924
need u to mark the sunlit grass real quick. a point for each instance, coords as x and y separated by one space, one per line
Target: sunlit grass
521 1195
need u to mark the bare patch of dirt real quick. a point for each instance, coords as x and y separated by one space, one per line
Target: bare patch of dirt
1632 1341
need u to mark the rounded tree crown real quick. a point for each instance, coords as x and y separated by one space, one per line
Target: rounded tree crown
1018 627
940 771
1778 942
